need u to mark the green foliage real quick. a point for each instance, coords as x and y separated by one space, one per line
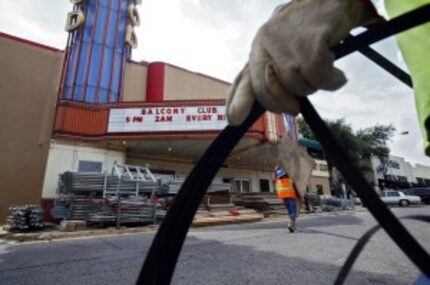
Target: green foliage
304 129
374 141
359 145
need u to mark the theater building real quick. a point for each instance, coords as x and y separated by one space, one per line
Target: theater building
88 106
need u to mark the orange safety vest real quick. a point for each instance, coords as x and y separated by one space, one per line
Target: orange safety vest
285 188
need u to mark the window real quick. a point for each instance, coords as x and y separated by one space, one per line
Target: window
389 177
402 178
165 178
246 186
264 185
323 167
320 189
227 180
89 166
392 194
242 185
237 186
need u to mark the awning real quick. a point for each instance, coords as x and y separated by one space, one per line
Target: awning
310 144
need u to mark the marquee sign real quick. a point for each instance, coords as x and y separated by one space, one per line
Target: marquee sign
167 119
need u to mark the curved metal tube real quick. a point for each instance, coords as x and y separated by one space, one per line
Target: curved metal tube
160 262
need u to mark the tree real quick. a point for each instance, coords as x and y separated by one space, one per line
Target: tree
360 146
374 141
304 128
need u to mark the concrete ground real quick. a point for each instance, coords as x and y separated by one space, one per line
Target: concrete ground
258 253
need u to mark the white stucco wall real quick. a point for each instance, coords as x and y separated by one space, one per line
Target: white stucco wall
66 157
321 168
396 166
422 171
182 169
409 170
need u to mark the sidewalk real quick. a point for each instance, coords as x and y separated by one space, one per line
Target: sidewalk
55 234
200 220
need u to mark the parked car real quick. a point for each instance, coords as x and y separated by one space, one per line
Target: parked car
422 192
391 197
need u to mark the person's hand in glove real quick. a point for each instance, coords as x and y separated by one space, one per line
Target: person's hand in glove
290 55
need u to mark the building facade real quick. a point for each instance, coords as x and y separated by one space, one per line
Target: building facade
422 175
397 173
90 106
29 80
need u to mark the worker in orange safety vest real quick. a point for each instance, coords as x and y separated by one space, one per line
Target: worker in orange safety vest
286 191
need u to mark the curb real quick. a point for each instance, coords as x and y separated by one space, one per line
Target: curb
48 236
198 222
57 235
217 221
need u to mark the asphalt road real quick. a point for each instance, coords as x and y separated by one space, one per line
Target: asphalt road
260 253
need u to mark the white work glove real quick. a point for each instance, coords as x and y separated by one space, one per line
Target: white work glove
290 55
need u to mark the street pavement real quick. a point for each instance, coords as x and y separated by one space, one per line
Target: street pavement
258 253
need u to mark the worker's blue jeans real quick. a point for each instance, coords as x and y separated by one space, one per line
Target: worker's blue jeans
291 205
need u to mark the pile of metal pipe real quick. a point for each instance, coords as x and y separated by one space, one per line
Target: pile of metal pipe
172 187
93 197
129 210
25 218
97 183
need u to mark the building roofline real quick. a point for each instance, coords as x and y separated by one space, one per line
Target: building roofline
193 72
143 62
28 42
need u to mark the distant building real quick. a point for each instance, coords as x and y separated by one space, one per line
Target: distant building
422 175
319 182
397 173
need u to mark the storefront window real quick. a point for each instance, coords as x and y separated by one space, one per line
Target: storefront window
237 186
421 181
320 190
89 166
242 185
264 185
246 186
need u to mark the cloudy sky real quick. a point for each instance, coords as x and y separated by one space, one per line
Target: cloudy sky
214 36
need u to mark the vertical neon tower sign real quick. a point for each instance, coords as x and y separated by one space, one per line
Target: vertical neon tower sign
101 36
